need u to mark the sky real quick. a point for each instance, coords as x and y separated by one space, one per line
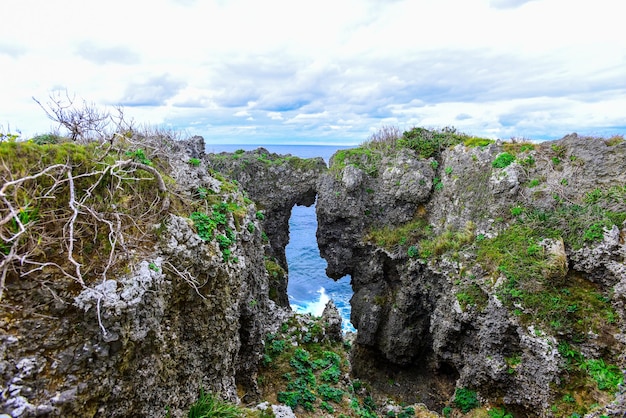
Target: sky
323 71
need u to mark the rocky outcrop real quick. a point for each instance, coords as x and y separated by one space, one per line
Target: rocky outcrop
276 183
179 315
427 299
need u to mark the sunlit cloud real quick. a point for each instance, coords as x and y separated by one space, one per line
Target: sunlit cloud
327 71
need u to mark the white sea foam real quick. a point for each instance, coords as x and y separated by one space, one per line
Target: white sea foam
314 307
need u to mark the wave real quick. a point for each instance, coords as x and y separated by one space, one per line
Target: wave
316 307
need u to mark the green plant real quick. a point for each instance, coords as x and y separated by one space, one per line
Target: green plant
46 139
260 215
472 142
466 400
437 184
448 170
429 143
434 164
499 413
210 406
140 156
154 267
534 183
472 295
446 411
607 376
412 251
194 162
556 160
527 162
329 393
513 362
614 140
503 160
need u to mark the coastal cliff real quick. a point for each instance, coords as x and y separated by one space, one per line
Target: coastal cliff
489 278
133 278
493 271
276 183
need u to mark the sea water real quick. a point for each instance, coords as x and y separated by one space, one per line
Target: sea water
309 288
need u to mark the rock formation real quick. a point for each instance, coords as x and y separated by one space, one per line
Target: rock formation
424 238
276 183
177 312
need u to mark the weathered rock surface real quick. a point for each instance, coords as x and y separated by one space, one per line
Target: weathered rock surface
407 310
143 342
276 183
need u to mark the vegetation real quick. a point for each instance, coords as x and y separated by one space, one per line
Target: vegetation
388 140
503 160
466 400
210 406
427 143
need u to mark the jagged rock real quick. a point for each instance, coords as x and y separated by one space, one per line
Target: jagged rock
276 183
332 320
180 316
407 311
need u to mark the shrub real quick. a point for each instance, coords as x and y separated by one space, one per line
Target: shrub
466 400
194 162
430 143
503 160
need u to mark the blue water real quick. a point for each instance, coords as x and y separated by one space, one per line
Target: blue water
309 288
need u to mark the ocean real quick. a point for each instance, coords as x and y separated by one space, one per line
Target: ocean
309 288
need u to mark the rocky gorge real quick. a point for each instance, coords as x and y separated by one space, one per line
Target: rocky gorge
488 277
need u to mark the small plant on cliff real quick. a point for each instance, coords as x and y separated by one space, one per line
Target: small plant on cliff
194 162
466 400
210 406
503 160
140 156
607 376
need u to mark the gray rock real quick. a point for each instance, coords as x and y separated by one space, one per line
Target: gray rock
406 310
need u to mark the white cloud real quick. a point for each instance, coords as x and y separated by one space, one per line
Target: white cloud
252 71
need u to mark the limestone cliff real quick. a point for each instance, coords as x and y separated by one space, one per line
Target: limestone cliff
496 269
276 183
138 278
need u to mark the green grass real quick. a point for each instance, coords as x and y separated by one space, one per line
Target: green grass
390 237
210 406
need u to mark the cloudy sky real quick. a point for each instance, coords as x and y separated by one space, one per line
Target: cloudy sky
323 71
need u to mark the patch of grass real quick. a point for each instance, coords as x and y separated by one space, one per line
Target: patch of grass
473 142
518 147
362 158
448 241
390 237
209 406
472 295
614 140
